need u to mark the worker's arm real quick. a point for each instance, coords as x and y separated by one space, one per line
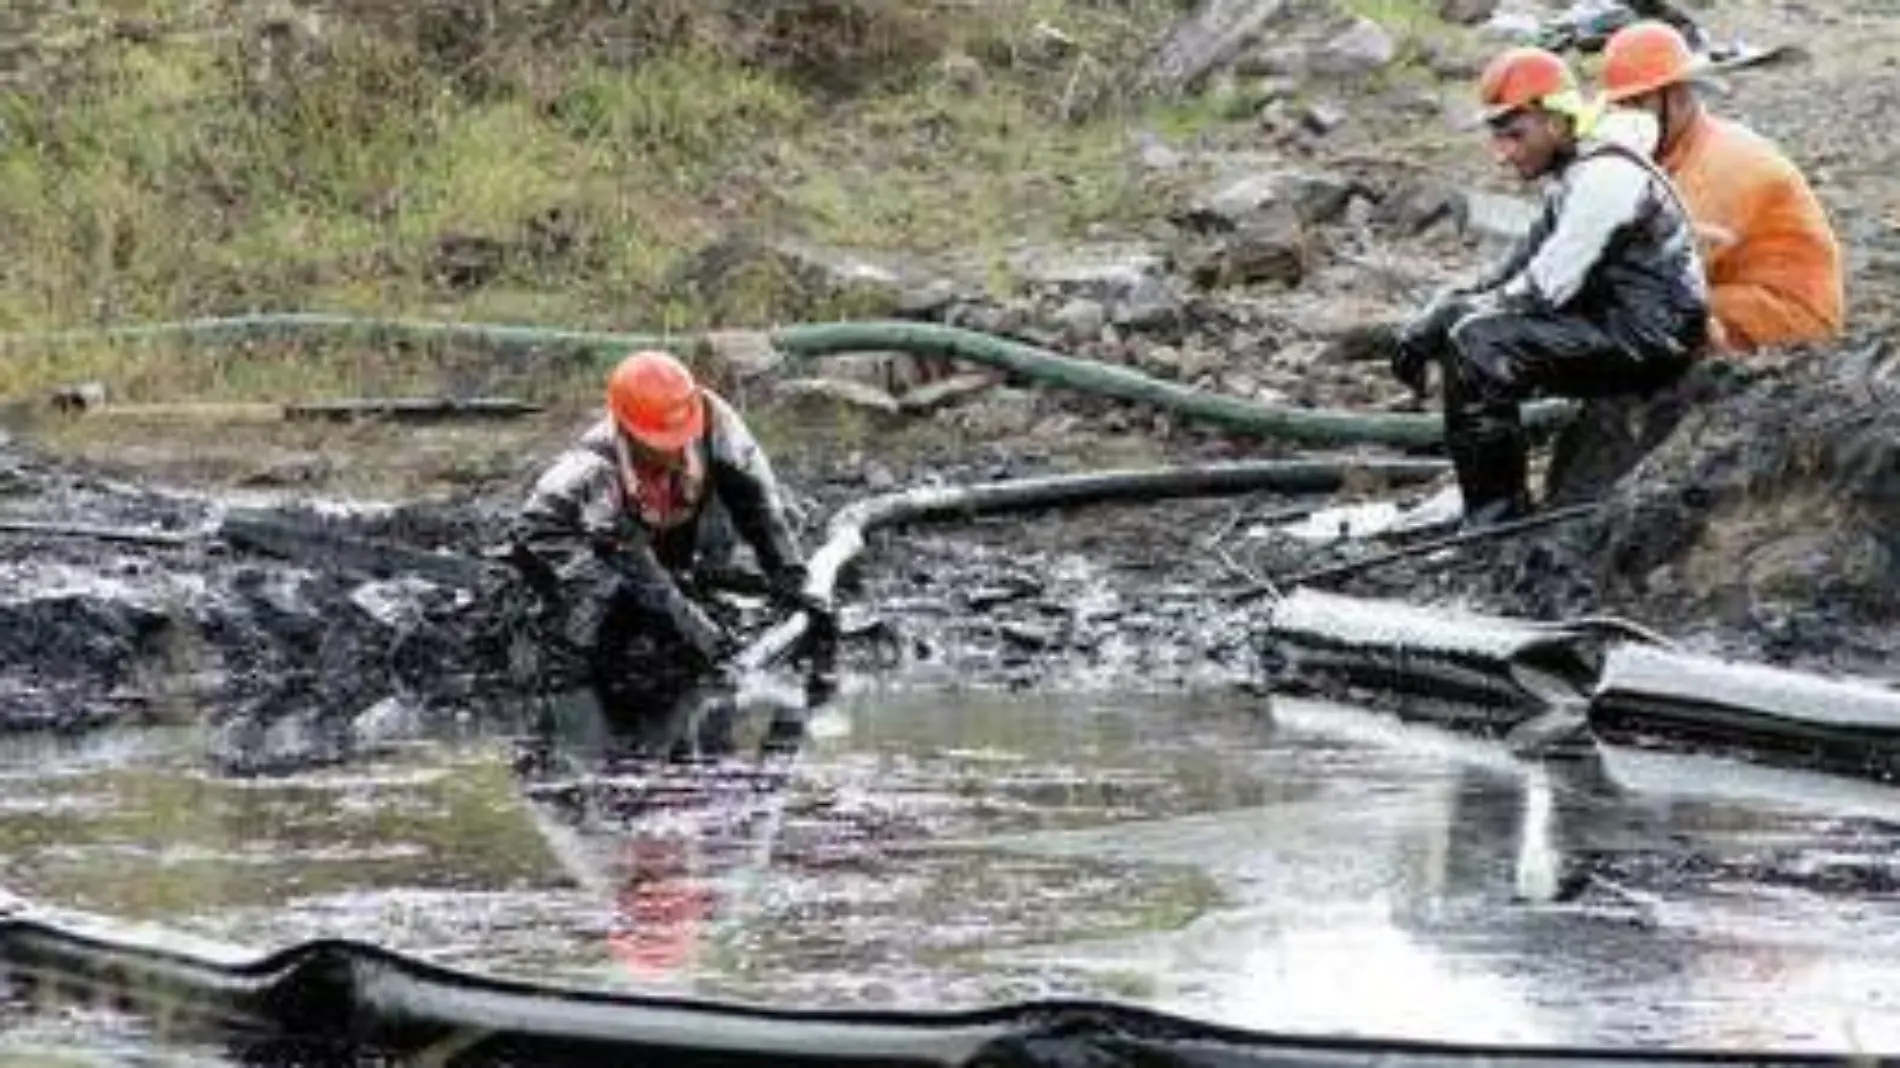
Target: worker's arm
1513 261
743 477
573 521
1779 282
1606 193
648 584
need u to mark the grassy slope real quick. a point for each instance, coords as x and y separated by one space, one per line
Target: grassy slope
158 167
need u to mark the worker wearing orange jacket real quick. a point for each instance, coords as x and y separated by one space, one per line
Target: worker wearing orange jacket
1774 265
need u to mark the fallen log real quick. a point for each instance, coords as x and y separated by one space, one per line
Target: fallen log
409 409
143 537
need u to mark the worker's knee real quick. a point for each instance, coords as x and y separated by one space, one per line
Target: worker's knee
1479 358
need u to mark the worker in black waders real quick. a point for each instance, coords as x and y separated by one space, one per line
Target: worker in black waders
620 528
1604 296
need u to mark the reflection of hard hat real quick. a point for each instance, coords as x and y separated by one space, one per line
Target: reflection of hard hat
659 908
1528 77
655 401
1644 57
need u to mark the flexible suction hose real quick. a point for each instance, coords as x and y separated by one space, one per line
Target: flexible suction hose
1311 426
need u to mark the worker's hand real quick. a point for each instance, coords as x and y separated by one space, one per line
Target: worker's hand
789 588
1424 336
1718 335
1714 238
709 641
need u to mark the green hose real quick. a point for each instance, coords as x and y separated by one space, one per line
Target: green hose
1312 426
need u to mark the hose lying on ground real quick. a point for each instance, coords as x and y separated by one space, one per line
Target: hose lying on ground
815 340
1307 425
845 534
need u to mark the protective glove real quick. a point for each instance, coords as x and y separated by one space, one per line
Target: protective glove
709 641
789 588
1424 336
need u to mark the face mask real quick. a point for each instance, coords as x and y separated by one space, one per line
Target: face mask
1631 128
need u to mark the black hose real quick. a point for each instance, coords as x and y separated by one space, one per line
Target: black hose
846 532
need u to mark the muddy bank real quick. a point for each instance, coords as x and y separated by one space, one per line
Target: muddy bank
310 633
1764 527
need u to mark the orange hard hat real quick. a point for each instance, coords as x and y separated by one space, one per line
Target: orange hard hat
1527 77
1644 57
655 401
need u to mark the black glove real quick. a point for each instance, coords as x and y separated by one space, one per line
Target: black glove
1424 337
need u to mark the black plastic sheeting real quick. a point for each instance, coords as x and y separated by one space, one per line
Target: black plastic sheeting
1844 725
1493 674
339 1002
1479 672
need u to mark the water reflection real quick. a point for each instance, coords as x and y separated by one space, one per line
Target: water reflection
1316 868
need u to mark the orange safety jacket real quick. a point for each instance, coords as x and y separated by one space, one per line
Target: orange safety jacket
1774 265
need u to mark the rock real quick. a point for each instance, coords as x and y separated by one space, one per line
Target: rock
1081 319
1466 12
1027 636
741 354
1415 206
878 478
400 604
1047 44
1155 154
1451 63
1204 41
811 394
740 279
962 73
928 299
1322 118
82 397
1103 271
1518 27
1362 343
1269 247
1152 306
389 720
886 372
1282 62
1234 202
1002 411
947 391
102 629
1410 100
1363 48
1180 364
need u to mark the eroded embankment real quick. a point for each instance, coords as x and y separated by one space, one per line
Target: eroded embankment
1767 525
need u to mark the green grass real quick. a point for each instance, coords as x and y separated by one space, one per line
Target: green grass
410 167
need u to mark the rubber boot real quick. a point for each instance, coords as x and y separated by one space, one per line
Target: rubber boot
1492 456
